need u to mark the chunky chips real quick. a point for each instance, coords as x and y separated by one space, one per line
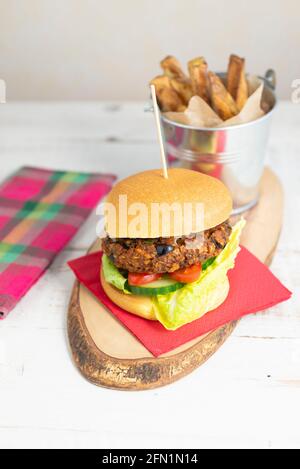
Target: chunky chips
226 97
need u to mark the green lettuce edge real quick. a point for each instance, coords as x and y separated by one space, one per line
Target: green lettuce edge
112 275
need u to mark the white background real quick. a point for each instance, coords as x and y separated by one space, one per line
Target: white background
85 49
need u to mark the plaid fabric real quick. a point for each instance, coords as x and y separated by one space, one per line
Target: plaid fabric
40 211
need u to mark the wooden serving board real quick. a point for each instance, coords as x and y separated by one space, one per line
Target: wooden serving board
107 354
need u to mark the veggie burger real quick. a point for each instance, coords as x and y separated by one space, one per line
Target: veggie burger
161 268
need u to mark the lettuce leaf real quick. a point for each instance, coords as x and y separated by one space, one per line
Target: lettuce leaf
198 298
195 299
112 274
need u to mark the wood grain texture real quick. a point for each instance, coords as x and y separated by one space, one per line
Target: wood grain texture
134 374
92 342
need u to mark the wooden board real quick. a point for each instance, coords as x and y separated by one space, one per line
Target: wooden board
108 355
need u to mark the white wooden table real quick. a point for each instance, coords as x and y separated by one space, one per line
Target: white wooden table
247 395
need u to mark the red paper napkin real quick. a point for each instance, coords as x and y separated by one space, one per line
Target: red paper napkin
253 288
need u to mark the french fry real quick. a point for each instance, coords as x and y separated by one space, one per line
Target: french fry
222 101
172 68
179 81
167 97
198 74
236 80
183 87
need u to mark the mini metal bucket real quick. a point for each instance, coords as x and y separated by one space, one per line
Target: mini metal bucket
235 155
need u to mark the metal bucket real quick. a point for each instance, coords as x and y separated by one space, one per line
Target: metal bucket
234 154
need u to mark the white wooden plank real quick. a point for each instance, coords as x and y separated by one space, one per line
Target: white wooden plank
32 123
36 122
41 438
231 395
113 158
247 395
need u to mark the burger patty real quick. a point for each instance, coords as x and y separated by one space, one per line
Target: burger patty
162 255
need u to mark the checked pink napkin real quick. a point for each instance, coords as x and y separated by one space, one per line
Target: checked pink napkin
40 211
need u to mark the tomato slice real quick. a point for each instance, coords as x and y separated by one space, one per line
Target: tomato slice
187 274
142 279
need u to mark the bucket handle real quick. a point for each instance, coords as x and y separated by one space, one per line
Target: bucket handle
270 77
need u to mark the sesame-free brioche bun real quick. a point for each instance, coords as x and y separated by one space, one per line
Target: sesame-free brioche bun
139 305
150 187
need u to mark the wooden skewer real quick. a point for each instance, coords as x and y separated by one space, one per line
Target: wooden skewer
159 132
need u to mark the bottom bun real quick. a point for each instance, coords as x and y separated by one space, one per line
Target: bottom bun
139 305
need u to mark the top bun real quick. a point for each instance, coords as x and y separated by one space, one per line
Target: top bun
182 187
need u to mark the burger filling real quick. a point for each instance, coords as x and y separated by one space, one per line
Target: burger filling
183 277
167 255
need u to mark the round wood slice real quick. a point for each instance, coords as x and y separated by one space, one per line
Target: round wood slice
107 354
